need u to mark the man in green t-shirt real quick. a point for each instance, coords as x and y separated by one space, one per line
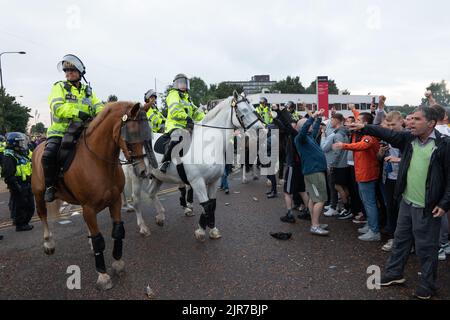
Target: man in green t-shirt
423 191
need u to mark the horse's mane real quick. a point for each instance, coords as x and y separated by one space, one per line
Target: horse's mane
110 107
213 112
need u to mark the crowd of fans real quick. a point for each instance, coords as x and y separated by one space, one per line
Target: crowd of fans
387 173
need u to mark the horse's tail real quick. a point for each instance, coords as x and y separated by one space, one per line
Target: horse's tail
53 209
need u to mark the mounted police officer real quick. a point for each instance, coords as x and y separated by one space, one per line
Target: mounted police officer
16 171
71 103
263 110
155 117
181 115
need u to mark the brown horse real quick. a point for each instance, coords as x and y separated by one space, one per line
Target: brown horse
95 179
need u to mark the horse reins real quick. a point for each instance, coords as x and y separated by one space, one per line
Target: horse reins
119 162
234 104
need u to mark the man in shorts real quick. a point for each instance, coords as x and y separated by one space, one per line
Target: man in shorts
314 166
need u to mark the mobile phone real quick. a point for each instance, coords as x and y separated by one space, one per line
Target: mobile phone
373 100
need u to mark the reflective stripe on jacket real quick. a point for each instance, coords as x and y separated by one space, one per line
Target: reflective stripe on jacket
179 108
155 118
66 101
23 165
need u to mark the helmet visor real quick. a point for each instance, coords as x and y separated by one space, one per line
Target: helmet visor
22 144
72 60
181 84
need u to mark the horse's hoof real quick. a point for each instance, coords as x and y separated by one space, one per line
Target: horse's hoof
200 234
118 267
255 178
188 212
160 222
144 232
104 282
49 251
130 210
49 247
214 234
244 181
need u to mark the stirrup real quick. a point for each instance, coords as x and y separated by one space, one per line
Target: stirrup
49 195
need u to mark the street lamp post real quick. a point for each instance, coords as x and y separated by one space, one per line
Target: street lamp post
2 89
1 76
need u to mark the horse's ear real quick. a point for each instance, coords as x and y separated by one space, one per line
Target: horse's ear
135 110
235 95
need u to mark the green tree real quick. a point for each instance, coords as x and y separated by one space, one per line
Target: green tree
332 87
13 116
224 90
289 85
198 91
440 93
38 128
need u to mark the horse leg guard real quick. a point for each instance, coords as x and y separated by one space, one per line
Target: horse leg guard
183 197
212 214
118 233
98 243
190 195
204 217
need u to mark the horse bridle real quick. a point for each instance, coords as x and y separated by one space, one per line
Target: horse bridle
239 116
125 118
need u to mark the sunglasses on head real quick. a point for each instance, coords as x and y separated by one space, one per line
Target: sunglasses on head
70 70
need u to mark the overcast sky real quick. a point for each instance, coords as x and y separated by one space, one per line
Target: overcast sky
395 48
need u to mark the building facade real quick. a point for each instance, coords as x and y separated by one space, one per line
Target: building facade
257 84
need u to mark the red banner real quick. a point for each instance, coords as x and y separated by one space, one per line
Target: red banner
322 95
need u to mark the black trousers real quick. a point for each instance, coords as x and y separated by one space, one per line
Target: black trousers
273 182
391 206
49 160
22 205
414 227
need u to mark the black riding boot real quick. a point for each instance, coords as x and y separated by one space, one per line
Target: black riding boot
167 156
50 177
50 167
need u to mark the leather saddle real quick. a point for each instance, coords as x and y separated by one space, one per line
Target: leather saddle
67 150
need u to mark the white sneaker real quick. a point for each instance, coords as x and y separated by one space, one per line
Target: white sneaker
331 212
370 236
344 215
327 207
446 248
319 231
441 255
364 229
388 245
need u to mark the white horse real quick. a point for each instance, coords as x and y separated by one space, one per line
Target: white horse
134 185
204 161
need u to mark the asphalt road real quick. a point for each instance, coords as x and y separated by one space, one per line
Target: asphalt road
246 263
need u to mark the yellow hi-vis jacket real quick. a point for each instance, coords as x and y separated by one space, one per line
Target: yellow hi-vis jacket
263 111
155 118
23 164
179 108
66 101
